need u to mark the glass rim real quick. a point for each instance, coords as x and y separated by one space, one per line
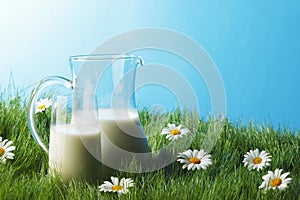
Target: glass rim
102 57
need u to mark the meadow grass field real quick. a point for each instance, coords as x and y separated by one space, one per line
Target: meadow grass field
26 176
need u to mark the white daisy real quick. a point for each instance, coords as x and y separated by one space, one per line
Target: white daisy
275 180
257 160
42 105
5 150
173 132
115 186
194 159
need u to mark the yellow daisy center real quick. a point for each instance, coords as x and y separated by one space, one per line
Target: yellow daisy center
275 182
42 107
117 187
175 132
195 160
1 151
257 160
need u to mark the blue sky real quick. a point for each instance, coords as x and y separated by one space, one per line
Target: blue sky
255 44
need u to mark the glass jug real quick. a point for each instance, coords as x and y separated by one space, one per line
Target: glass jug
95 129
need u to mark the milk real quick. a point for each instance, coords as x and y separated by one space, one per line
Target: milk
121 135
95 152
75 151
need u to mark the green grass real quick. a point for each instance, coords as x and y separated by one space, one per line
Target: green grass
26 176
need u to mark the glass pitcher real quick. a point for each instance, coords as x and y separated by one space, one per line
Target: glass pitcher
95 129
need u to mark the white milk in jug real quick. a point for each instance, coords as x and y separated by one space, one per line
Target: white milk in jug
121 135
74 151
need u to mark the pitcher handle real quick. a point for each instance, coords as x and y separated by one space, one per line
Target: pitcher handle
39 87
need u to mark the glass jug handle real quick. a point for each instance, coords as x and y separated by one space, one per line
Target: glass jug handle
39 87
